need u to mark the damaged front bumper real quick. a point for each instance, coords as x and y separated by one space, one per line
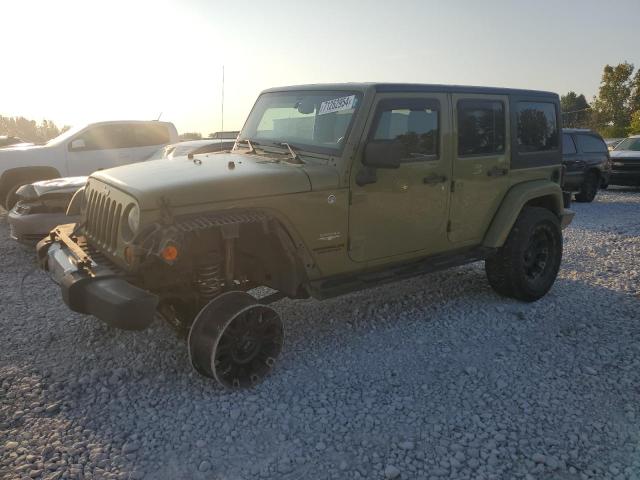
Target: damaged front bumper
27 226
94 289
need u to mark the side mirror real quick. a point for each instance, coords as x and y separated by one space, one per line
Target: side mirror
77 144
384 154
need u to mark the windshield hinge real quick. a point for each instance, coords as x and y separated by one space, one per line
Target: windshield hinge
294 155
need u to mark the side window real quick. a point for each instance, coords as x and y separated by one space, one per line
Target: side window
481 127
591 144
414 122
537 127
146 135
106 137
568 147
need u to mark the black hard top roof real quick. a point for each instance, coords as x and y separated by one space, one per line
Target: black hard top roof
414 87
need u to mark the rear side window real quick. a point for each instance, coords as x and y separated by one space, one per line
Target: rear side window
567 144
146 135
537 127
591 144
414 122
481 127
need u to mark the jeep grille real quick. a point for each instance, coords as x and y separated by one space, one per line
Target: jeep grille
102 220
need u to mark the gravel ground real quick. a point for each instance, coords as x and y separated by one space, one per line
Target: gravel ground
433 377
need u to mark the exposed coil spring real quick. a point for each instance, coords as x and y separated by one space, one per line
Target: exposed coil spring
209 280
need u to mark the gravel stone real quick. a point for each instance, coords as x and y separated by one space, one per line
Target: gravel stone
130 447
431 377
406 445
391 472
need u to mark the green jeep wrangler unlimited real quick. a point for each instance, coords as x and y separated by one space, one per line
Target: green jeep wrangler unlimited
328 189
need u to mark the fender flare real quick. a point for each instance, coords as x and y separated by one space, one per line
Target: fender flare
543 193
294 252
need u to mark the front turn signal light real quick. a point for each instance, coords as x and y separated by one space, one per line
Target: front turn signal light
169 253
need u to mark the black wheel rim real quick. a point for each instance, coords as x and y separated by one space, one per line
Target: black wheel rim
247 347
537 260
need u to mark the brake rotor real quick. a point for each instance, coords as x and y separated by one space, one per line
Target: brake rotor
235 340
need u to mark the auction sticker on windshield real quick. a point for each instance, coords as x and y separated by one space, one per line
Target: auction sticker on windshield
337 105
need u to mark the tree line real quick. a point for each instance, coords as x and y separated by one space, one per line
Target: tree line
615 111
30 130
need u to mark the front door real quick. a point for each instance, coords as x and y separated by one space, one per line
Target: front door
404 210
480 166
98 148
572 161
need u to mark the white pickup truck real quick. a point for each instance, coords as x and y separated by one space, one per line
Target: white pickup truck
81 151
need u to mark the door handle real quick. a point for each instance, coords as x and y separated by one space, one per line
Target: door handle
434 179
497 172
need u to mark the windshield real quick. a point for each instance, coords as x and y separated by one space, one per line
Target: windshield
632 144
315 121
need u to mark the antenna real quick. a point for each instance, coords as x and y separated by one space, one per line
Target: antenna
222 126
158 119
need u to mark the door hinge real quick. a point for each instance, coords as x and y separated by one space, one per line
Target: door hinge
350 197
449 226
453 186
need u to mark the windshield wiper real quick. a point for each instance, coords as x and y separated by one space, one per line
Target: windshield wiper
294 155
252 144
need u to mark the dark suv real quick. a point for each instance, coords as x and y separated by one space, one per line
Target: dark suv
626 162
587 164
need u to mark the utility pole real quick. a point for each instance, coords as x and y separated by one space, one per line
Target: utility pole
222 126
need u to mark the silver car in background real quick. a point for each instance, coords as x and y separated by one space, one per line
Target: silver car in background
42 206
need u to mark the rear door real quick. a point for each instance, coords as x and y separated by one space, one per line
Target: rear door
404 210
480 164
594 151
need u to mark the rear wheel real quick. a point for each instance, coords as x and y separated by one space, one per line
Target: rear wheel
526 266
589 188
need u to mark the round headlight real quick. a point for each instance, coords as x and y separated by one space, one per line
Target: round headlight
133 219
130 222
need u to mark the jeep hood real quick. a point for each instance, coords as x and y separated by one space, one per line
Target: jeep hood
208 178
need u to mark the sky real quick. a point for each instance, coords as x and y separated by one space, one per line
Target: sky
76 61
